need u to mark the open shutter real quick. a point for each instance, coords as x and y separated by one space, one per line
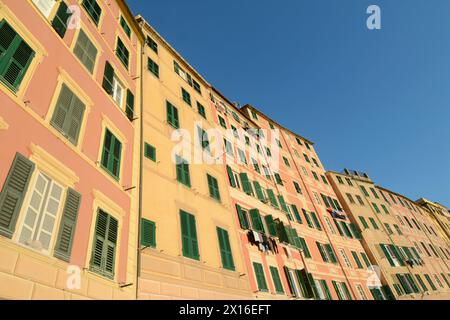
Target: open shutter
61 19
336 288
259 192
355 231
387 255
306 288
282 203
290 281
272 198
330 252
397 254
322 251
256 220
297 215
242 218
108 78
129 110
281 232
13 193
63 248
246 185
305 248
316 220
271 225
231 177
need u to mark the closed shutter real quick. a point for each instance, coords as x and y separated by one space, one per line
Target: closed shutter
172 115
270 225
272 198
326 289
16 56
231 177
366 259
243 221
282 203
61 19
256 220
225 249
346 229
259 192
336 288
111 156
85 51
148 233
108 78
246 185
397 254
13 193
316 220
260 278
387 293
129 110
63 248
189 236
276 280
356 258
325 200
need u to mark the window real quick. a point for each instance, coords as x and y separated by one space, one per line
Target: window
196 86
242 157
385 209
203 139
286 162
363 189
125 26
213 188
111 156
375 194
68 115
117 91
201 110
122 53
339 179
278 179
228 148
104 245
225 249
150 152
350 198
16 56
268 152
324 179
254 115
375 207
315 175
305 172
349 182
222 122
256 166
152 44
306 158
361 292
356 258
430 282
397 228
360 200
260 277
39 224
374 224
153 67
189 236
62 16
388 228
183 175
341 290
148 234
330 226
363 222
186 96
93 9
299 141
297 188
172 115
276 280
345 258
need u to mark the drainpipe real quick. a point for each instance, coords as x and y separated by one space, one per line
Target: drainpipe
141 170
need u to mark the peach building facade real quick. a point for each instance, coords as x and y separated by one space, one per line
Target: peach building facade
67 218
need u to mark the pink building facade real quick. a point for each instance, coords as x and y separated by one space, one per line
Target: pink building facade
67 220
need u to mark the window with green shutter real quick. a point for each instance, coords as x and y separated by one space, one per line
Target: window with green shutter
246 185
385 209
183 175
259 191
201 110
243 218
172 115
355 231
242 157
356 258
152 44
122 53
228 148
93 9
125 26
186 96
16 56
297 215
297 188
153 67
111 155
257 223
282 203
231 177
225 249
430 282
61 19
108 78
129 108
85 51
271 226
189 236
366 259
13 193
272 198
68 114
203 139
374 224
308 219
326 289
278 179
150 152
213 186
421 283
276 280
148 233
322 252
364 191
305 248
316 221
363 222
104 245
330 253
222 122
260 277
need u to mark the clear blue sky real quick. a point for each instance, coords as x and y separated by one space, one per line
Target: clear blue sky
375 101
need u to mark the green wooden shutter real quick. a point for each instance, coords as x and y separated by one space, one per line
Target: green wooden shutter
231 177
16 56
326 289
225 249
108 78
61 19
387 255
397 254
290 281
338 227
259 192
322 252
312 283
111 245
281 232
282 203
346 229
260 278
337 290
356 258
246 185
64 243
276 280
363 222
75 120
271 225
366 259
305 248
129 110
172 115
148 233
112 151
93 9
257 223
105 242
297 215
272 198
242 218
325 200
347 292
316 220
355 231
306 288
330 252
189 236
13 193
